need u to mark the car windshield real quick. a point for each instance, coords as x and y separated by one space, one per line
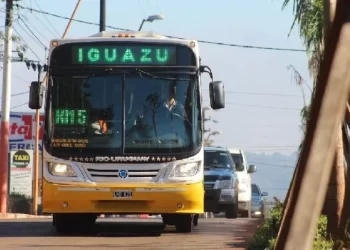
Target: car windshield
255 190
238 159
125 113
217 159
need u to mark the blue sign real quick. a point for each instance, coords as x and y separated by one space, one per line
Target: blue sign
123 174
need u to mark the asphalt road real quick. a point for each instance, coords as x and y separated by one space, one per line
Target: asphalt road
145 234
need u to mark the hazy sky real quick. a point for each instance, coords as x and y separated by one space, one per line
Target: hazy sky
263 103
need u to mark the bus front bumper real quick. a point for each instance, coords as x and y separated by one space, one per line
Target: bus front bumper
146 198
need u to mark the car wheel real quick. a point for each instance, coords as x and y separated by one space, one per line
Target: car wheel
232 211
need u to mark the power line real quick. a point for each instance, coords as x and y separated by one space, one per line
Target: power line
48 21
252 105
35 29
272 165
20 105
280 189
17 94
258 93
21 79
26 43
261 106
200 41
258 106
68 18
269 150
33 33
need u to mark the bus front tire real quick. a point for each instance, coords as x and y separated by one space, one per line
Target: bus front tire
62 223
184 223
65 223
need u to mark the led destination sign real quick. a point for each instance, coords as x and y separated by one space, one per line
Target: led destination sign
99 54
70 117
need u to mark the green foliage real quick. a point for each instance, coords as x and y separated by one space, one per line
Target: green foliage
309 15
20 45
19 203
265 237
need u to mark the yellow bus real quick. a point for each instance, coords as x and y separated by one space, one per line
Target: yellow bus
123 130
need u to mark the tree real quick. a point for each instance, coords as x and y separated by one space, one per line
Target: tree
20 45
310 15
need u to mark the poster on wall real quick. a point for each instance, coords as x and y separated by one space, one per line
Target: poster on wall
21 172
22 131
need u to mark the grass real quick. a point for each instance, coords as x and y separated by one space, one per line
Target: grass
265 237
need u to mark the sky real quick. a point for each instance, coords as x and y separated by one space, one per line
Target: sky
263 102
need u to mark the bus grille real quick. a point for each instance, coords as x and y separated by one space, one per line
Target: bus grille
107 174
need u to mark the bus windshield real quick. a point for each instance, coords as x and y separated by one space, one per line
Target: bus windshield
123 114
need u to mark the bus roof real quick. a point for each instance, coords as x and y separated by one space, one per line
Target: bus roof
126 35
137 34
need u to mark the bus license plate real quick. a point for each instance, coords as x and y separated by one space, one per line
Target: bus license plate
127 194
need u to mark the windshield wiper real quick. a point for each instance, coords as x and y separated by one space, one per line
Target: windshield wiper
150 75
142 73
109 71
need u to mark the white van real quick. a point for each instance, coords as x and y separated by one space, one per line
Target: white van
244 186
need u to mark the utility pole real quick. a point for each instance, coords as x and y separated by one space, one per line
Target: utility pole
102 15
5 107
37 127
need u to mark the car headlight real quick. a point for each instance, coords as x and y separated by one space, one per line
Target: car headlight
185 170
225 184
58 169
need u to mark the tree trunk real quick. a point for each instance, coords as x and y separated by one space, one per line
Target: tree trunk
343 228
336 190
333 206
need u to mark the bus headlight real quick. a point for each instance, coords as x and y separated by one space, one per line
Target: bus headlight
185 170
225 184
58 169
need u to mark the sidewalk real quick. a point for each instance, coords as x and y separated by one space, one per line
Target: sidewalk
23 216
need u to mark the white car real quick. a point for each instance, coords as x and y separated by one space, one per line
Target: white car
244 186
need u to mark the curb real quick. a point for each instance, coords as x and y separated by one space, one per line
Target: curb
30 216
23 216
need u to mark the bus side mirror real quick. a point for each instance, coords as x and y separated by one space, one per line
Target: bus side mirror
217 95
36 95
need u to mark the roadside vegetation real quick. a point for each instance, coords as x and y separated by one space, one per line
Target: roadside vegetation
19 203
264 239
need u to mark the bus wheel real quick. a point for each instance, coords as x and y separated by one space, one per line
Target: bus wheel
195 220
62 223
184 223
65 223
